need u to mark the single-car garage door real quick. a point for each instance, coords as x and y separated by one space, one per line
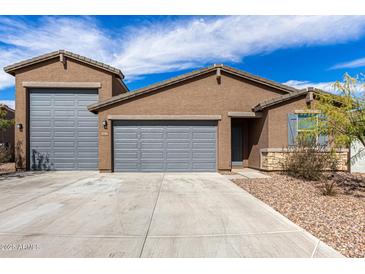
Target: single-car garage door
165 145
63 134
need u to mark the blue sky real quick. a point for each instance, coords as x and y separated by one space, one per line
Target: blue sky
297 50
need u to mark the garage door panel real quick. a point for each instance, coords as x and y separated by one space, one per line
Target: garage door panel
60 122
120 147
64 113
64 154
64 134
128 166
152 145
178 166
151 166
178 145
40 113
87 123
84 114
203 135
128 155
164 146
178 135
41 134
176 154
40 144
39 104
85 136
152 135
157 155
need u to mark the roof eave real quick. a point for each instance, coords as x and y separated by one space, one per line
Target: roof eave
116 99
95 107
284 98
11 69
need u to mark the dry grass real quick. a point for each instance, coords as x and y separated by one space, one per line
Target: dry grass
337 220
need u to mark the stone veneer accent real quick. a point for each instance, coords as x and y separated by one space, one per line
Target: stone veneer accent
271 159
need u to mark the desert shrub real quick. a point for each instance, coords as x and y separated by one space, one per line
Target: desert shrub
329 187
307 160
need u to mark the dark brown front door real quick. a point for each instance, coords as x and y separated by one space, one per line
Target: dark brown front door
237 143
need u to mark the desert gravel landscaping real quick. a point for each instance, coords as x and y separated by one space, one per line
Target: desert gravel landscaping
337 220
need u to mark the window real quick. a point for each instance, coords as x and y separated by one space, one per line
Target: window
307 123
304 125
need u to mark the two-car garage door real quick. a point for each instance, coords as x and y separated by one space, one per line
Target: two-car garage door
165 145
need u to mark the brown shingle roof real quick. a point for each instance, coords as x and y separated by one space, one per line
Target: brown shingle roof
196 73
12 68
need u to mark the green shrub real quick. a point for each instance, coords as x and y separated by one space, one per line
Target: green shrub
6 154
307 160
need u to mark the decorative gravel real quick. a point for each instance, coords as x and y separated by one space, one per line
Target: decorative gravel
337 220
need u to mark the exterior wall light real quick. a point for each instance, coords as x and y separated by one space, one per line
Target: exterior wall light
19 126
105 124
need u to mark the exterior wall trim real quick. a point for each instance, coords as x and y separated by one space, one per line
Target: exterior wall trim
164 117
246 114
286 149
61 84
305 111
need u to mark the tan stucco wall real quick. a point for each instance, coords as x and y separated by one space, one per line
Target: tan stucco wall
201 96
278 121
258 138
51 71
117 87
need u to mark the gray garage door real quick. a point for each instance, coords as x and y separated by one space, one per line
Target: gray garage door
63 133
165 146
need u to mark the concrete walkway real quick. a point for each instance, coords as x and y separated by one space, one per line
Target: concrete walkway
250 173
87 214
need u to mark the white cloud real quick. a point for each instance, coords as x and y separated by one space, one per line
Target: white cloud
170 45
350 64
195 42
327 86
24 40
9 103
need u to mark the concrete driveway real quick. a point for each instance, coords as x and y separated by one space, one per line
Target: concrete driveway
87 214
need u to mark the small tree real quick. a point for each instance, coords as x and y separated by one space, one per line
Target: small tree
344 113
5 123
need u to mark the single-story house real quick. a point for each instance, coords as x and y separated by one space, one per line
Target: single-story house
74 113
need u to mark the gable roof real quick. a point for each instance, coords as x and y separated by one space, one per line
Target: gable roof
190 75
280 99
12 68
6 107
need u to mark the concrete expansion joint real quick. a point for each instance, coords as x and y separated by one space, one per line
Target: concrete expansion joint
315 248
223 234
153 212
70 235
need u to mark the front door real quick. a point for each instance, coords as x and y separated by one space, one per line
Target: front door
237 144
